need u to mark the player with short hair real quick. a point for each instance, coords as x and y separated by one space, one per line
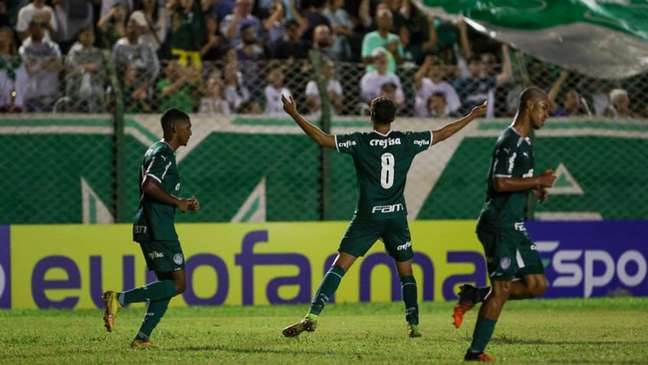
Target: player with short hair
382 159
154 230
514 265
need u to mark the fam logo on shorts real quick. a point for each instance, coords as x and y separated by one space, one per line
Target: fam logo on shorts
505 263
177 259
5 268
404 246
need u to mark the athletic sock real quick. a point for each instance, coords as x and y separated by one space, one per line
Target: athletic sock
154 312
483 331
483 293
409 292
153 292
328 286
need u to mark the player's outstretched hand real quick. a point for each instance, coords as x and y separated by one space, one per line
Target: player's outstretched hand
479 110
183 205
547 179
194 204
289 105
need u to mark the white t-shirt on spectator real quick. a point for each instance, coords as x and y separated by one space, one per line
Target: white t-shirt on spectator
333 86
41 82
428 87
274 106
27 13
372 82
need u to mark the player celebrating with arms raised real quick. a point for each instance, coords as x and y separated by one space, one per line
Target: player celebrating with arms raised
514 265
382 159
154 230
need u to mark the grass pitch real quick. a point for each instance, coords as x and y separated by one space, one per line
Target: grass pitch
599 331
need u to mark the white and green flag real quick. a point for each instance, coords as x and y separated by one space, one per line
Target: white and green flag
600 38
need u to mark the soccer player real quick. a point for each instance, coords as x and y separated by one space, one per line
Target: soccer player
514 265
382 159
154 230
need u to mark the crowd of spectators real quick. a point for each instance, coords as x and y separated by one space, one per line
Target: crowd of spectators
240 56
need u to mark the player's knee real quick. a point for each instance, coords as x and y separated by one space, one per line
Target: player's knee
502 290
539 288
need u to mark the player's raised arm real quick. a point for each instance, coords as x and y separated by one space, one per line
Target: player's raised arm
320 137
448 130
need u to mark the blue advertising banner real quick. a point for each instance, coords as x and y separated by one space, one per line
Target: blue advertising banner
591 259
5 268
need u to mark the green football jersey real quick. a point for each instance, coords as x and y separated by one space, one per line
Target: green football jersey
154 220
512 157
381 163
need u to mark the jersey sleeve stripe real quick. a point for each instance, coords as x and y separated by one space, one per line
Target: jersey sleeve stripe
165 170
431 137
154 177
500 175
336 144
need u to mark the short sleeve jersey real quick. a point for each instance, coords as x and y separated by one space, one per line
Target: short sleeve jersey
512 157
154 220
381 164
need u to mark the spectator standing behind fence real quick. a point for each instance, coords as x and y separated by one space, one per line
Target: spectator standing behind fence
384 39
415 30
42 59
131 54
71 17
342 29
39 12
213 100
333 88
619 107
187 31
275 24
479 85
13 78
429 79
249 55
291 46
216 46
235 92
155 17
176 89
273 92
232 25
86 74
571 104
371 84
112 26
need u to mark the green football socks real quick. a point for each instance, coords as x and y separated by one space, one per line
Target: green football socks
482 335
327 288
153 292
409 292
154 313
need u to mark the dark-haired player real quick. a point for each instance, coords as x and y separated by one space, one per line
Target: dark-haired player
154 230
382 159
514 265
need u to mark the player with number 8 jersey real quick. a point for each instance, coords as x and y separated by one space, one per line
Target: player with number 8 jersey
382 159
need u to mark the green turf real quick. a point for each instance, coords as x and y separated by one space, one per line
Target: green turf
597 331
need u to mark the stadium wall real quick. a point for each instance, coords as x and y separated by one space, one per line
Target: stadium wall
61 169
68 266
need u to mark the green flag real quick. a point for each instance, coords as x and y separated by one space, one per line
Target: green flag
601 38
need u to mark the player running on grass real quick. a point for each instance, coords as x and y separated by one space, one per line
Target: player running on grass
382 159
154 230
514 265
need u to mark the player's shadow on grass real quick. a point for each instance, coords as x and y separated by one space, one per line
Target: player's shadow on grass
239 350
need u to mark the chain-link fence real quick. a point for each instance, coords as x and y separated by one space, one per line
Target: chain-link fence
83 82
248 162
